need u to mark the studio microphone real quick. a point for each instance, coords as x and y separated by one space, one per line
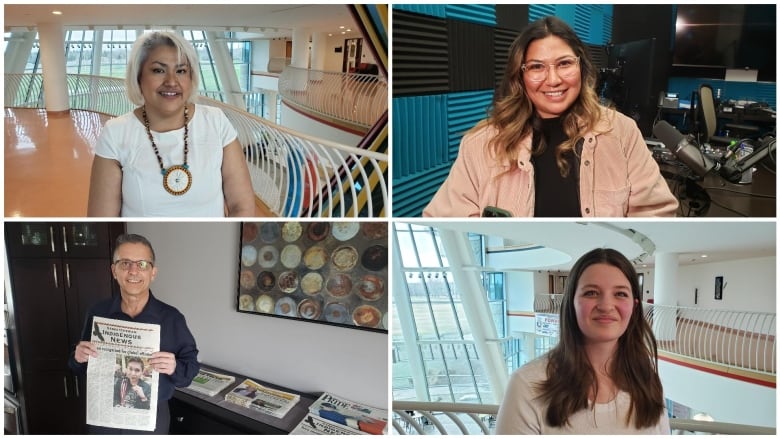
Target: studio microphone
683 149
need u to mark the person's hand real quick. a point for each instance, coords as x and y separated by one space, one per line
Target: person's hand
163 362
140 392
84 350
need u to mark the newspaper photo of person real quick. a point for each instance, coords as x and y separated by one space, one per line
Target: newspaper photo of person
131 389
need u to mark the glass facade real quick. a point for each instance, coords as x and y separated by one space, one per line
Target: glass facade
442 340
112 48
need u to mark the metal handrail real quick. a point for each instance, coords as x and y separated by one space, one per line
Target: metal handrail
357 99
260 102
737 339
299 175
415 416
294 174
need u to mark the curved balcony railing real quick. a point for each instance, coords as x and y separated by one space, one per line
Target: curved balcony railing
437 418
94 93
548 303
298 175
736 339
262 103
294 174
356 99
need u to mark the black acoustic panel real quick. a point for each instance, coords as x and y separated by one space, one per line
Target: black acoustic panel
502 41
471 56
513 17
598 55
420 56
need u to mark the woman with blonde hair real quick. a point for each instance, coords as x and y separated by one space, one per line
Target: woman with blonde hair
548 148
602 376
169 156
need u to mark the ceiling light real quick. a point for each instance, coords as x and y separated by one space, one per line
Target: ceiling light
703 256
330 35
341 27
349 30
56 12
343 33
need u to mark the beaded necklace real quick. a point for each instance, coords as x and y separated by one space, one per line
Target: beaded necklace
177 179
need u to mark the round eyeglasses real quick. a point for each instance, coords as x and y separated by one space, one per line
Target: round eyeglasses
126 264
565 68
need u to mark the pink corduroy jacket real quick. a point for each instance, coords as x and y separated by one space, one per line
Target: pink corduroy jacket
617 176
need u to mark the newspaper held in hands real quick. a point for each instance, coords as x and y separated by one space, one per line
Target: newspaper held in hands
270 401
121 385
210 383
355 415
313 424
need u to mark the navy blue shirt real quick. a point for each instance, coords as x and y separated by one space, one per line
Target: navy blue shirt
175 338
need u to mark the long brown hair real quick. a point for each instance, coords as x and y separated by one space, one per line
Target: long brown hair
570 376
512 113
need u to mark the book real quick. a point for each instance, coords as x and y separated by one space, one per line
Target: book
313 424
355 415
270 401
210 383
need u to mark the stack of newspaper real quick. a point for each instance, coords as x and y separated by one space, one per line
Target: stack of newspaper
210 383
256 396
331 414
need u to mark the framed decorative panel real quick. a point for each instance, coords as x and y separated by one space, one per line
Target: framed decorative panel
323 272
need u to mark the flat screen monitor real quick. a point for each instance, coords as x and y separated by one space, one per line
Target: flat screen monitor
709 39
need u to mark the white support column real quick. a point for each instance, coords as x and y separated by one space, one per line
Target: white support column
299 77
665 294
300 48
475 306
97 52
18 51
319 47
55 85
405 316
270 104
227 74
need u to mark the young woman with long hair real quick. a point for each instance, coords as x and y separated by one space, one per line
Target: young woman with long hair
602 377
548 148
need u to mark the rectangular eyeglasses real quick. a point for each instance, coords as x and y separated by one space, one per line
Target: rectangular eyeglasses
126 264
565 67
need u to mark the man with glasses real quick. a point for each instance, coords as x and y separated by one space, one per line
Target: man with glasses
177 362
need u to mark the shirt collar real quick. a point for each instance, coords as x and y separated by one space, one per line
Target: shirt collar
151 309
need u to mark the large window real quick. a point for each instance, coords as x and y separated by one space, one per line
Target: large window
442 340
113 49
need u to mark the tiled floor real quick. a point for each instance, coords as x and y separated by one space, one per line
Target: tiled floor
48 160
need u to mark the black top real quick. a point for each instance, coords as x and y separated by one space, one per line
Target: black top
556 196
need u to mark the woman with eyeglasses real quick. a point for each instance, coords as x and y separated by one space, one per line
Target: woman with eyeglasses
548 148
602 376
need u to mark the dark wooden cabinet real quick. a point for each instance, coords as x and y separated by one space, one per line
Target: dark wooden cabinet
58 271
71 240
192 418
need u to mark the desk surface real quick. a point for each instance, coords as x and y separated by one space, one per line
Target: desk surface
766 121
713 196
247 418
